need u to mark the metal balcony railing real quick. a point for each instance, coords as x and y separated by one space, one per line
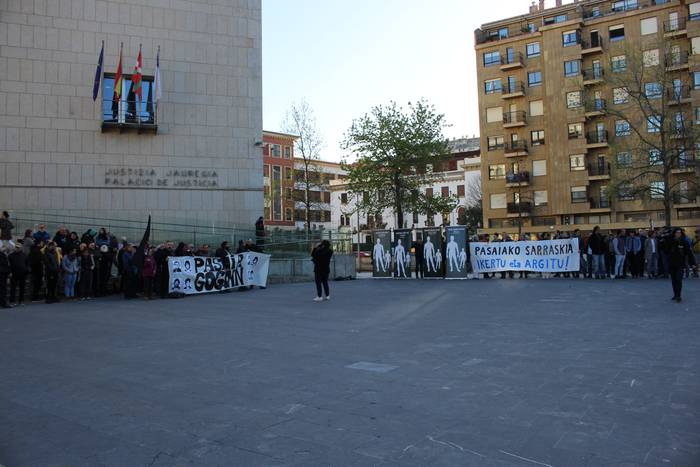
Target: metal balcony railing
599 203
510 88
678 92
591 43
685 197
524 207
597 169
595 105
595 137
593 73
674 25
676 59
620 7
518 177
516 146
131 112
512 59
514 117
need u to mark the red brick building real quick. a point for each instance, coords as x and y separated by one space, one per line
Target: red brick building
278 178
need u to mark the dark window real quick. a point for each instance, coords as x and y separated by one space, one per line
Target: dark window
492 86
129 108
616 33
534 78
533 49
445 191
570 38
492 58
344 198
460 190
572 68
537 137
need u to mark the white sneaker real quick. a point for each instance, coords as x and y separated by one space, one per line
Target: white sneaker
318 299
327 297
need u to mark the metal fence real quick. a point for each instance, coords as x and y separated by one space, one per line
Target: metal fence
279 243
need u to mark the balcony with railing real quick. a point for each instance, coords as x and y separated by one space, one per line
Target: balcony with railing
511 61
129 114
685 197
516 149
592 45
677 61
521 208
593 76
595 107
492 35
597 11
514 119
679 95
597 139
521 178
601 204
675 27
598 171
686 162
512 89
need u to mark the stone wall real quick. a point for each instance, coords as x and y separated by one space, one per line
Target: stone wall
54 155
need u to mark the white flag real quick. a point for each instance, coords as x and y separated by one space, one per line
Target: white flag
158 93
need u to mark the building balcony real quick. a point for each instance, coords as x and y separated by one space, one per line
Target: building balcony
593 76
679 95
592 46
516 149
675 28
512 61
595 108
523 208
686 163
598 172
597 139
511 90
483 37
515 179
677 61
621 8
599 204
514 119
129 115
685 197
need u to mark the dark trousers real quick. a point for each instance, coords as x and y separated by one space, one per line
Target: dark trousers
321 280
148 287
85 283
17 282
37 279
3 289
129 284
419 268
51 283
676 281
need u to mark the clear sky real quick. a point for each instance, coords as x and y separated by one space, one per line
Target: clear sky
344 57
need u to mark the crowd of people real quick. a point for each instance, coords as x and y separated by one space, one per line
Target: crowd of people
70 266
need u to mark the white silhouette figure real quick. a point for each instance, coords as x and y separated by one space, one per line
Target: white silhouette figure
408 262
452 251
400 257
438 260
378 255
387 261
463 259
429 255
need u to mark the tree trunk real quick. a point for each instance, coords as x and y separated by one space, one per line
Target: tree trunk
668 197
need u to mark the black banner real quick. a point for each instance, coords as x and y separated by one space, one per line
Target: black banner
456 252
381 254
401 249
432 252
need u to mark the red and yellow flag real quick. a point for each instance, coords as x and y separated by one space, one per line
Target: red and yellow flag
118 80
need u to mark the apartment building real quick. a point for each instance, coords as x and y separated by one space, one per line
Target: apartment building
278 179
549 152
321 175
456 174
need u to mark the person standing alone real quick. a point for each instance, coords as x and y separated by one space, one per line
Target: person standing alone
321 257
679 253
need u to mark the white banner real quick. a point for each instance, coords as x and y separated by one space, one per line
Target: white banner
198 274
543 256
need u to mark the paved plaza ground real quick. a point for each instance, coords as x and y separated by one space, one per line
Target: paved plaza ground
532 372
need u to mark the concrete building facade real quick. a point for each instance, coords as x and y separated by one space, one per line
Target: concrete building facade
550 145
192 156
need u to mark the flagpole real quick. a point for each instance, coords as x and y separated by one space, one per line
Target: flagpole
138 102
102 78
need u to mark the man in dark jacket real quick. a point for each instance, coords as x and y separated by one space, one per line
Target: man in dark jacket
6 226
321 257
418 255
36 266
4 273
129 271
678 254
51 269
162 270
19 267
596 244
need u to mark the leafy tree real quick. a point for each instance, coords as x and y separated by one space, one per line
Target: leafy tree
300 121
654 130
396 151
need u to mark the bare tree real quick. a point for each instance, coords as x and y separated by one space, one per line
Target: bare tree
655 135
300 121
473 213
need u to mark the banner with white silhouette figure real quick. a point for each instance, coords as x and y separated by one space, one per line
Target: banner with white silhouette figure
432 252
401 251
456 252
543 256
381 254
